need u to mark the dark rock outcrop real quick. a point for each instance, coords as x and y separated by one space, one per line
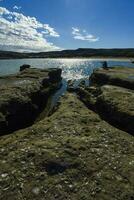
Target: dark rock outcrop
54 75
105 65
23 67
70 85
24 95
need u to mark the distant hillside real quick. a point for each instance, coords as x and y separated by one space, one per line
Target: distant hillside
79 53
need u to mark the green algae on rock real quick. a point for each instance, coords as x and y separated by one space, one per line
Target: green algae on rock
73 154
24 95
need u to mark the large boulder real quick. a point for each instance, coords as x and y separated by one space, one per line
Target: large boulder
54 74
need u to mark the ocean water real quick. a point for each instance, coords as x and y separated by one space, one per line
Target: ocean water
71 68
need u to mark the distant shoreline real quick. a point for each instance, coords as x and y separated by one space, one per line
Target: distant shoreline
72 54
92 58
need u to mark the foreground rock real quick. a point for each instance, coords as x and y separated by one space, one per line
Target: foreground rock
115 104
72 154
24 95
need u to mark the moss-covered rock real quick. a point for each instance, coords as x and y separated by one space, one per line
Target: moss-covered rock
72 154
24 95
115 104
120 76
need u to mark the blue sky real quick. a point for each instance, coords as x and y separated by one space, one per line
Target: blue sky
43 25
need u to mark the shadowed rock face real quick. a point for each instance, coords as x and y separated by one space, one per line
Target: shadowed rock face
24 95
23 67
115 104
73 154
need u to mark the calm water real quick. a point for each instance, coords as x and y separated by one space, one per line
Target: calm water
71 68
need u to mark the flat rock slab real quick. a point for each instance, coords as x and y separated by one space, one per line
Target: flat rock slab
72 154
120 76
23 95
114 104
111 95
117 104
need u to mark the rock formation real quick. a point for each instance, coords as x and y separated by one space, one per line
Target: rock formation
75 153
23 67
24 95
115 104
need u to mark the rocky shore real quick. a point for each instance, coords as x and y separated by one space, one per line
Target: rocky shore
112 96
24 95
83 151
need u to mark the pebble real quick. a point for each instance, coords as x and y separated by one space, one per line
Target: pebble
4 175
36 190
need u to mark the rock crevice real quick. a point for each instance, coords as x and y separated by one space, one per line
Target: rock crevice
114 103
24 95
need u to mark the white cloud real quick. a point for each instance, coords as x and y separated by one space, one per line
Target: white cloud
23 33
17 7
83 35
3 11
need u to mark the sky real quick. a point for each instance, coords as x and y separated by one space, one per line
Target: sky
49 25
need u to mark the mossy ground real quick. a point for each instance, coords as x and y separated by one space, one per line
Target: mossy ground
72 154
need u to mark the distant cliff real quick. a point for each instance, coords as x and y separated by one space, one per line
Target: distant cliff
78 53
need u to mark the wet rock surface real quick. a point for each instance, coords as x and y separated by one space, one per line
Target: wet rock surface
72 154
24 95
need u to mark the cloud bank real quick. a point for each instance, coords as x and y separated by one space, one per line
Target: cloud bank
24 33
83 35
